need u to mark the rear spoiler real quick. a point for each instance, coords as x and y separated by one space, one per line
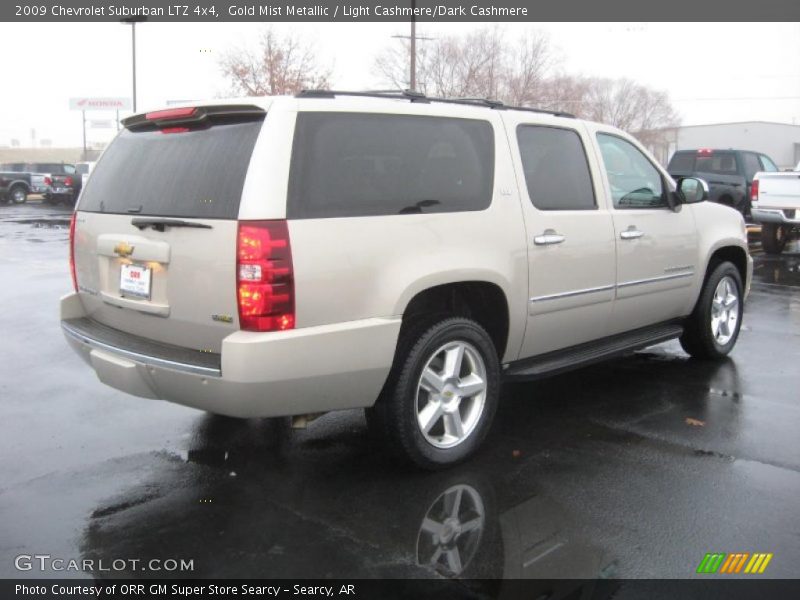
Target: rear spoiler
193 117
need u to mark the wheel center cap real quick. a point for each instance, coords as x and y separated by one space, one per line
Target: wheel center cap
450 398
449 530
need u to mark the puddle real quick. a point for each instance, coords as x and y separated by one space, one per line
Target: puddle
53 223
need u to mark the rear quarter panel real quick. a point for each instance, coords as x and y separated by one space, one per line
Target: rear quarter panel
348 269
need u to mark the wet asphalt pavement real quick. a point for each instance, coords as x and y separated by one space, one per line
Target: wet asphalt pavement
633 468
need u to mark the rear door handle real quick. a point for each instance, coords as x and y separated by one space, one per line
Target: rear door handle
548 237
631 233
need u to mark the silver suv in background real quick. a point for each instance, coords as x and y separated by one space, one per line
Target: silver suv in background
296 255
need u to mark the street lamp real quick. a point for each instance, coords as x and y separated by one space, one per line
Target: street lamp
132 22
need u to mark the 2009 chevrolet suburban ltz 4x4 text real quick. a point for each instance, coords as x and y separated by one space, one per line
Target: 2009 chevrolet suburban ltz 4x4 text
295 255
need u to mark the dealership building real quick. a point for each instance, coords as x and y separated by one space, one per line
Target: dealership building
779 141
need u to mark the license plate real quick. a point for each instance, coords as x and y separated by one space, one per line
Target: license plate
135 280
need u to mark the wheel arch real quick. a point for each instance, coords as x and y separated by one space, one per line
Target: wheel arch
486 302
725 251
732 253
20 183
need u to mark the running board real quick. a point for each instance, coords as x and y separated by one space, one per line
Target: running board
559 361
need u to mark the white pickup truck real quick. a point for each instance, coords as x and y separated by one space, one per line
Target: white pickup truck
776 205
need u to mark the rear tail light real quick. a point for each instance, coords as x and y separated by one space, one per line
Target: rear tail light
265 277
68 181
72 252
48 181
754 191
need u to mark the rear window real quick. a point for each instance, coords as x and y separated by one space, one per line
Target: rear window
51 168
682 162
197 174
721 163
353 164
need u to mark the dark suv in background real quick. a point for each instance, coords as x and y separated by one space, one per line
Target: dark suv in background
729 173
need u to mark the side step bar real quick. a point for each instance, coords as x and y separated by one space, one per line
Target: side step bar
553 363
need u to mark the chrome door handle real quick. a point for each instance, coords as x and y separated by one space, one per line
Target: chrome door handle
548 237
631 233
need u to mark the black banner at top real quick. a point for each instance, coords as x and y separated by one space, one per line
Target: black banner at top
401 10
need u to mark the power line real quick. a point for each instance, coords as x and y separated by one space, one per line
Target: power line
743 98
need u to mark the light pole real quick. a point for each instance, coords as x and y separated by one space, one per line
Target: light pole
132 22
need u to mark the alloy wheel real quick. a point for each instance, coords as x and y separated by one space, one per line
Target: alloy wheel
451 394
725 310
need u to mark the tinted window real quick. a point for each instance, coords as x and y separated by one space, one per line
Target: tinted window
751 164
682 162
51 168
721 163
556 171
767 163
634 181
350 164
192 174
13 167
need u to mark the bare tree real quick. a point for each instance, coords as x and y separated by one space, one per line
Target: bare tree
282 64
619 102
528 66
479 64
483 63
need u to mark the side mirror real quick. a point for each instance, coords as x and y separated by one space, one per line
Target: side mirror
692 190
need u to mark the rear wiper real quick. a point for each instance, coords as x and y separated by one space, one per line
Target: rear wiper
161 223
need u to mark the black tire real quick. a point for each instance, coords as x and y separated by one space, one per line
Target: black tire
773 238
393 419
698 338
18 194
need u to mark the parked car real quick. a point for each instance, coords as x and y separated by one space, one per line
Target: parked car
84 169
776 205
65 184
295 255
66 188
729 173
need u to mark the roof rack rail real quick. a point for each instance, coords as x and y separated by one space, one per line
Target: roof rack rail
483 101
414 96
399 94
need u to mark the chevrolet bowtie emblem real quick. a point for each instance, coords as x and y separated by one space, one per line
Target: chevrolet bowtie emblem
123 249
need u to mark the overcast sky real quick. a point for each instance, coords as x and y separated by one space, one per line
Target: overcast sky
713 72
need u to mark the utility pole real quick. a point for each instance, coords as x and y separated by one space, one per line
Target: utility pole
412 66
412 78
133 53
